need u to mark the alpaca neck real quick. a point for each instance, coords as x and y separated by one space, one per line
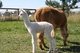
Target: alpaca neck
26 21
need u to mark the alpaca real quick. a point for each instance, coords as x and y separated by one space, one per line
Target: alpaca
37 27
54 16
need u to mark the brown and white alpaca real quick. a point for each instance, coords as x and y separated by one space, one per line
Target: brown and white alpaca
54 16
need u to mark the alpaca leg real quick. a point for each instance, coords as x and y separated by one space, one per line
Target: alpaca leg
41 41
64 34
40 37
44 44
52 42
34 43
53 45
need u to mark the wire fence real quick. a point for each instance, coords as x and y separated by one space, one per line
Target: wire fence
12 13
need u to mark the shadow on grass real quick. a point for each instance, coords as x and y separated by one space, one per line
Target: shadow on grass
77 43
75 49
71 49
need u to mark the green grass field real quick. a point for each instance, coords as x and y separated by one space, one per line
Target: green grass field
14 38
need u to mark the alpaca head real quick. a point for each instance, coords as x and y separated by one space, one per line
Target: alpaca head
23 13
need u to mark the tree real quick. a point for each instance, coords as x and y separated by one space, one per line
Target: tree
51 3
1 4
65 4
7 13
69 4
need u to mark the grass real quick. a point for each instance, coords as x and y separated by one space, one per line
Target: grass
74 18
14 38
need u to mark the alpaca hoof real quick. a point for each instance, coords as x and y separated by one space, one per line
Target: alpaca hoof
42 49
65 44
47 47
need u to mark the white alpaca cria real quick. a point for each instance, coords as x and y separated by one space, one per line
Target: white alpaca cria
37 27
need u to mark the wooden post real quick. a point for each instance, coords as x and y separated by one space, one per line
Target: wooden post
35 10
18 14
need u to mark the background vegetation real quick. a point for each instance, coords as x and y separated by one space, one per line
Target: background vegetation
65 4
1 4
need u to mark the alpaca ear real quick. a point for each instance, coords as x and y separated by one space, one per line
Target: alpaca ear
21 10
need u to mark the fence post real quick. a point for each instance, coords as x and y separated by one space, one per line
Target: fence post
18 13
